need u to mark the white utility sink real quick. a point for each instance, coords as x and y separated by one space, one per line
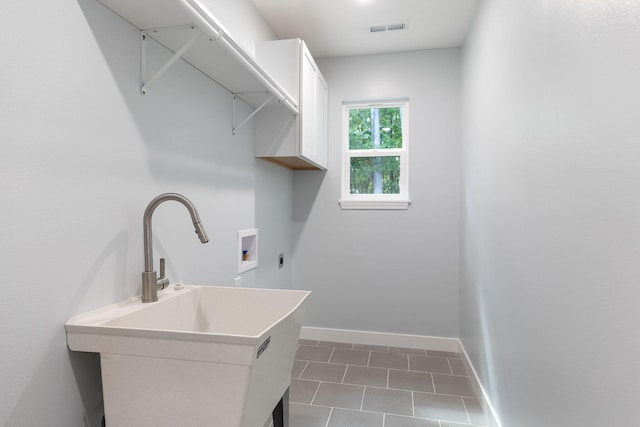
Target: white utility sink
199 356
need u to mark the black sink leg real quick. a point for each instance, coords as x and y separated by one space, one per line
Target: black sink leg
281 411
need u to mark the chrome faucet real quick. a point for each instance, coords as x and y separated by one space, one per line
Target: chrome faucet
150 282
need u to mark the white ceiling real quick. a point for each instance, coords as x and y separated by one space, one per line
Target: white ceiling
341 27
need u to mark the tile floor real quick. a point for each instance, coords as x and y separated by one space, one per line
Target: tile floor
351 385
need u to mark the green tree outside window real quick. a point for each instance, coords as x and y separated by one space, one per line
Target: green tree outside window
375 129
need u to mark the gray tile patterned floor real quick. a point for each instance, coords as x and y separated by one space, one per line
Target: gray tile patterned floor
350 385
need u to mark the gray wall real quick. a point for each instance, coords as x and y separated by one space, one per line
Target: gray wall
386 271
81 155
551 223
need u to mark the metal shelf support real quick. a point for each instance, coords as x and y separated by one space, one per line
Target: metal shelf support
144 84
242 123
214 35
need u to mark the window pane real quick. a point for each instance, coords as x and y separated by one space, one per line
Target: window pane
377 128
375 175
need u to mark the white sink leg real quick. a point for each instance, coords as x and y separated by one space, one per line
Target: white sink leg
280 413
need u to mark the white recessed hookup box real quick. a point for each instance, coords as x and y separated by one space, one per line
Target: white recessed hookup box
247 249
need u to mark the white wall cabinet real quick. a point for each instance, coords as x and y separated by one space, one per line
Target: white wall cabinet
297 142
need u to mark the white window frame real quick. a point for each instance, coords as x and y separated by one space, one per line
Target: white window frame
375 201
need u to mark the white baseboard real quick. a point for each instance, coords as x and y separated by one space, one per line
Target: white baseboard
407 341
380 338
483 397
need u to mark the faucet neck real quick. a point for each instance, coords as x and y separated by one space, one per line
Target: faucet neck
150 282
147 229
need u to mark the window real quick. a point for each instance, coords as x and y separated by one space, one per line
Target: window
375 161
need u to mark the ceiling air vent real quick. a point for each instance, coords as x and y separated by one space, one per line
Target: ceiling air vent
396 26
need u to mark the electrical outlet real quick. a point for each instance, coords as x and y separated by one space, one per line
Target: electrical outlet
280 260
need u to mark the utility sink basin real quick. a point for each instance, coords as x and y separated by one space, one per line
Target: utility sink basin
199 356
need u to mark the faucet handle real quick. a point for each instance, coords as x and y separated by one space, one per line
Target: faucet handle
162 281
162 267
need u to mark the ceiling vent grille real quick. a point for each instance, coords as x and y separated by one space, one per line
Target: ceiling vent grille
382 28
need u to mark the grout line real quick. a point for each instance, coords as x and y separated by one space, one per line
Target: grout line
433 383
466 410
450 367
451 375
412 390
369 359
329 418
453 395
413 405
388 375
392 388
303 369
316 393
308 404
344 375
364 390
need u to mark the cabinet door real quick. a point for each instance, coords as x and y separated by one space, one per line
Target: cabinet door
308 148
313 112
322 104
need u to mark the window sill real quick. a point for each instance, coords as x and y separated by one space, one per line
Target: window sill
375 204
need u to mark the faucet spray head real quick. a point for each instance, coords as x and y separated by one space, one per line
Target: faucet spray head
202 235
